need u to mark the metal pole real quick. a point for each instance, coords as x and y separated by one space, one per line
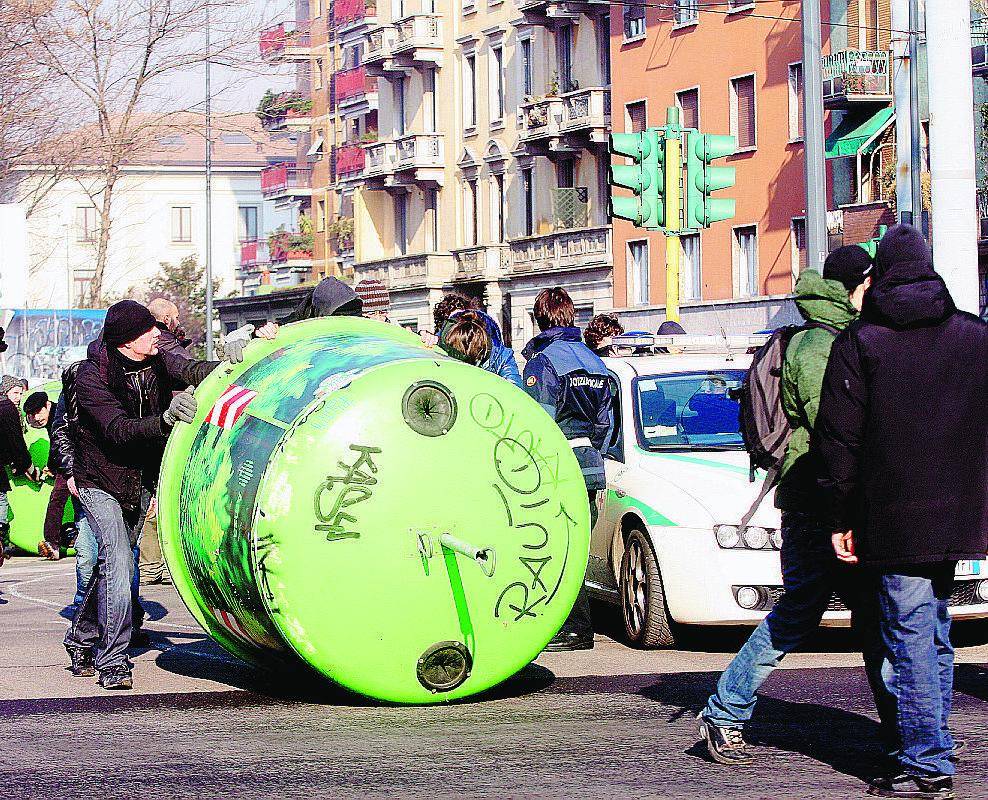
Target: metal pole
674 172
901 88
209 200
915 145
954 216
813 141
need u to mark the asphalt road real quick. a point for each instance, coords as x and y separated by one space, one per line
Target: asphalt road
612 722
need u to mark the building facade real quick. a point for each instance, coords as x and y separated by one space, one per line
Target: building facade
159 213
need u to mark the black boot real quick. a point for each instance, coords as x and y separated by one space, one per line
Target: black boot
81 659
570 640
914 787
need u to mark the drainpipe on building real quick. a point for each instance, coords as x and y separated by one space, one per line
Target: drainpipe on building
953 218
813 147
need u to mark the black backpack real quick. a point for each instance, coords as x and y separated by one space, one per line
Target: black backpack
764 426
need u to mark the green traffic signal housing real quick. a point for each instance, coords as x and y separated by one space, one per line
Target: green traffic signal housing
702 178
645 178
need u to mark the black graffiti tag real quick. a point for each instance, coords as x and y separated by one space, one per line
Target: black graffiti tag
354 486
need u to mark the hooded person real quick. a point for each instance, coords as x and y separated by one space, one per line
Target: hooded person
501 358
811 572
903 436
329 298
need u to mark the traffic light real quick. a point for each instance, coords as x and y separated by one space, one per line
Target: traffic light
646 178
702 179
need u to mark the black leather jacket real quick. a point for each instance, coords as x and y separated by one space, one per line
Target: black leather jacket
62 456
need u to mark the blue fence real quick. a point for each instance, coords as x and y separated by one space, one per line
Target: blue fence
42 342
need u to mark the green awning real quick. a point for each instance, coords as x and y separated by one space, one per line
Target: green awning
854 131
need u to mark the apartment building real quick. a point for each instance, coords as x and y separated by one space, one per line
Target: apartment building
455 144
736 275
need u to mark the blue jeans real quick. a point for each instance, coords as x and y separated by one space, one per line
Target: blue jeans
4 505
104 621
918 672
85 560
811 573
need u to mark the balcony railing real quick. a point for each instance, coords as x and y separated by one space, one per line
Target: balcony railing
979 46
253 255
283 253
277 43
348 12
354 84
418 31
419 150
490 261
563 250
982 197
856 76
541 118
350 160
408 272
380 159
283 178
380 45
586 110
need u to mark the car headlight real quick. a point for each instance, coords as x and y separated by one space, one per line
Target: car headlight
727 536
776 538
755 538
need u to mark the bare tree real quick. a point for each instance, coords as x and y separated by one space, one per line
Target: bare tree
125 61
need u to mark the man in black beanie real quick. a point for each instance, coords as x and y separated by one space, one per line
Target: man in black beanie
126 410
903 434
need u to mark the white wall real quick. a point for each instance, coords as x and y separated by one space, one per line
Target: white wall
13 256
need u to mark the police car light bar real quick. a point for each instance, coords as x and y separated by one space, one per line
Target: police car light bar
736 343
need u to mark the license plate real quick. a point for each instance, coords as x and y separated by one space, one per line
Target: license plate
967 568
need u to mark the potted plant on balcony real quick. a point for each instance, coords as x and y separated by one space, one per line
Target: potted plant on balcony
278 244
552 88
369 136
341 229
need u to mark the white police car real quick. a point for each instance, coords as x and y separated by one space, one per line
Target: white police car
667 546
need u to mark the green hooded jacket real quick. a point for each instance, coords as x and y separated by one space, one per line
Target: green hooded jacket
818 300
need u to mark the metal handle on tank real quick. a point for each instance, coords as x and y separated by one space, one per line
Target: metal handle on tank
484 556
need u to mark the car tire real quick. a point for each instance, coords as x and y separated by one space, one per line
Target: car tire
643 601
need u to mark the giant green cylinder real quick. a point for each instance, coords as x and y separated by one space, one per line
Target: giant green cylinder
413 528
29 500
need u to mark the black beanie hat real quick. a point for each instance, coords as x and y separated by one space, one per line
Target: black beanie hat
849 264
35 402
126 321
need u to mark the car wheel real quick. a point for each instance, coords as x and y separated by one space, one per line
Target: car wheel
643 600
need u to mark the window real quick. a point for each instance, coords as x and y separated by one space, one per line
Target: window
181 224
687 12
638 273
470 90
634 21
85 224
248 223
566 173
317 8
497 208
528 200
798 239
635 117
432 217
564 57
690 281
429 99
496 81
399 95
795 102
743 122
604 47
401 224
472 212
746 260
320 215
317 74
688 102
526 67
739 5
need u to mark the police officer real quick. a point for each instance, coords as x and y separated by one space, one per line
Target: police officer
572 384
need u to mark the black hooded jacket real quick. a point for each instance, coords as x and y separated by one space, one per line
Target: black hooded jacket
13 450
330 298
120 434
903 420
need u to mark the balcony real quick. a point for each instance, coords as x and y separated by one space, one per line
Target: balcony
414 159
982 198
540 123
979 47
428 270
253 255
584 248
587 112
355 92
286 180
350 162
378 59
279 45
292 251
483 262
285 109
354 18
419 40
550 12
853 77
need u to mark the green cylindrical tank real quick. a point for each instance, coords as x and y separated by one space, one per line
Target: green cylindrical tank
413 528
29 500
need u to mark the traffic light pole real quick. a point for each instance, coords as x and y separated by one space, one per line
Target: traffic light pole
674 169
813 147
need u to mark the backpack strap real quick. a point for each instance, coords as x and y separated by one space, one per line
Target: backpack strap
767 485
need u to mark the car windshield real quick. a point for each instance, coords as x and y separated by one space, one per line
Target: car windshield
689 410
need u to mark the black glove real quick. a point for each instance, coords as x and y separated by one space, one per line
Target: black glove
182 408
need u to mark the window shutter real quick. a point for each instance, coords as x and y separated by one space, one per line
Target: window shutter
884 26
853 25
689 103
636 115
745 90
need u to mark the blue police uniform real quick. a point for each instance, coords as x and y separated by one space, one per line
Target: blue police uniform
572 384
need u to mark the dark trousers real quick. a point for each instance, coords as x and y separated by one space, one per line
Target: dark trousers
104 620
56 511
580 620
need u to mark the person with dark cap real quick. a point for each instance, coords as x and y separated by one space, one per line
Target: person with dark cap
810 571
329 298
126 410
13 451
903 437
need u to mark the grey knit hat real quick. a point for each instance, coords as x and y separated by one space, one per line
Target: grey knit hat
8 382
